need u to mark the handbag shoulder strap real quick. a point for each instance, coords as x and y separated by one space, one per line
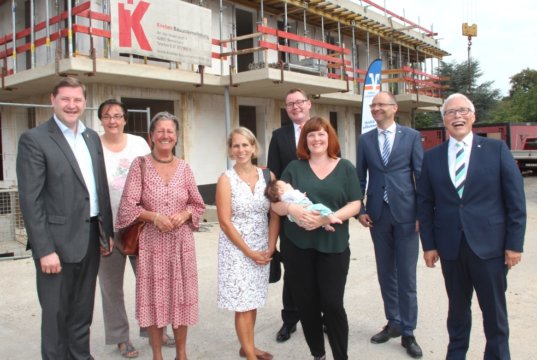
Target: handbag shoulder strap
142 168
266 174
142 172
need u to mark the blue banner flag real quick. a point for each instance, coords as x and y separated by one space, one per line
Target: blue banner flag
371 88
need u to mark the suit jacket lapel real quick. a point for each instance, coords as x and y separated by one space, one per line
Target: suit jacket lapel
443 166
58 137
374 140
94 151
399 135
475 156
291 141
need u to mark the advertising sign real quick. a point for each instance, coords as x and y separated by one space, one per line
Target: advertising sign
371 88
165 29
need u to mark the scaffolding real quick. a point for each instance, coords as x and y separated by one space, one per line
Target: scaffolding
325 57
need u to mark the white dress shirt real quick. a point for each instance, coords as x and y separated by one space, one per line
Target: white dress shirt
83 158
452 153
390 136
297 133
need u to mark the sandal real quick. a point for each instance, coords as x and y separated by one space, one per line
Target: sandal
168 341
127 350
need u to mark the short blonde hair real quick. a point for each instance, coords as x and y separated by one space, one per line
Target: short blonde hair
248 135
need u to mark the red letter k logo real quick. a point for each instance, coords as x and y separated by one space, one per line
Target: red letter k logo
128 22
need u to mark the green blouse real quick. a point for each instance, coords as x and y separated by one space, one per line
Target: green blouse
336 190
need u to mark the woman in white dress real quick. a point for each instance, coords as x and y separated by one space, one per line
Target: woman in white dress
247 240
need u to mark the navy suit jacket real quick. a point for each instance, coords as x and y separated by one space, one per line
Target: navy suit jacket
398 177
54 198
282 149
492 211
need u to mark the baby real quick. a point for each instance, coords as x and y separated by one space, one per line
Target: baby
279 190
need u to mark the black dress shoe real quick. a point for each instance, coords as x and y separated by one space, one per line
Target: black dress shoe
411 346
386 334
319 357
285 332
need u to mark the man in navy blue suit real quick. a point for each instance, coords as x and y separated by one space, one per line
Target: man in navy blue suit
472 214
392 154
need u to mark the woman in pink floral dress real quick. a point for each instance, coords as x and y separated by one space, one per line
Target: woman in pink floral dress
169 202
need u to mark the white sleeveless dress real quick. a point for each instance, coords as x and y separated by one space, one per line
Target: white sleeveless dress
242 284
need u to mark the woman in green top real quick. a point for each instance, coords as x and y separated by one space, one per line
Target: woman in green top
317 261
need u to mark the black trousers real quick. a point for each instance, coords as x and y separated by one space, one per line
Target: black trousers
67 302
289 311
318 286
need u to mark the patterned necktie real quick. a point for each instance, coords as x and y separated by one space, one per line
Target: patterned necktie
385 148
385 156
460 169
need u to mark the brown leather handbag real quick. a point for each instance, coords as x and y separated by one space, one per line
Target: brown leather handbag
131 234
130 238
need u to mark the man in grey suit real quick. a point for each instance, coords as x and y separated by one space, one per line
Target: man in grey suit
63 196
392 154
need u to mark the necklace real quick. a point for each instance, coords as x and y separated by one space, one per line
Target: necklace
167 161
246 175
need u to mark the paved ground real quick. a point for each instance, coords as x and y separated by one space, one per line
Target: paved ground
214 336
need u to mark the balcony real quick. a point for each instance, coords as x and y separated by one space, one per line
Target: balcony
57 47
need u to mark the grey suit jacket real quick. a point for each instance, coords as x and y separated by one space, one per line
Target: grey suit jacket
54 199
397 177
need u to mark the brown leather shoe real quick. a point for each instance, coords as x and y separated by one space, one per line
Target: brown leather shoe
263 355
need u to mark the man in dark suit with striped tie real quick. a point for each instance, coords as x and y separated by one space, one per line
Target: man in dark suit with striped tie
392 156
472 213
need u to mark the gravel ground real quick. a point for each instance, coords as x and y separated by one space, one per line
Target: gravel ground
214 336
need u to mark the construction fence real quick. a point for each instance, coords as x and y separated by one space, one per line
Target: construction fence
13 238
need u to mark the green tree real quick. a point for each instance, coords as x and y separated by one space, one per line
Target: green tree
463 78
524 81
520 105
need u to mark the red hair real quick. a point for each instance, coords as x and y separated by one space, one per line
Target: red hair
317 123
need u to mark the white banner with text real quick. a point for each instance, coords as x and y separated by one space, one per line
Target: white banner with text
165 29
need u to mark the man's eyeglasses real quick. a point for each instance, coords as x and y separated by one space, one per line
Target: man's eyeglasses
291 105
452 112
115 117
380 105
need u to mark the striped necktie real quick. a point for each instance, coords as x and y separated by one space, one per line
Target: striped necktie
385 155
460 169
385 147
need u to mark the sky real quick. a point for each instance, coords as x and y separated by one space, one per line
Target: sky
506 33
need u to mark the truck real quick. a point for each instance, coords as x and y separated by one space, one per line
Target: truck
521 138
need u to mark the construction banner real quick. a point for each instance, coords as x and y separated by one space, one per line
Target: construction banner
371 88
165 29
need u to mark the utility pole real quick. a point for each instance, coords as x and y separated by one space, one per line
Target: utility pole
469 31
